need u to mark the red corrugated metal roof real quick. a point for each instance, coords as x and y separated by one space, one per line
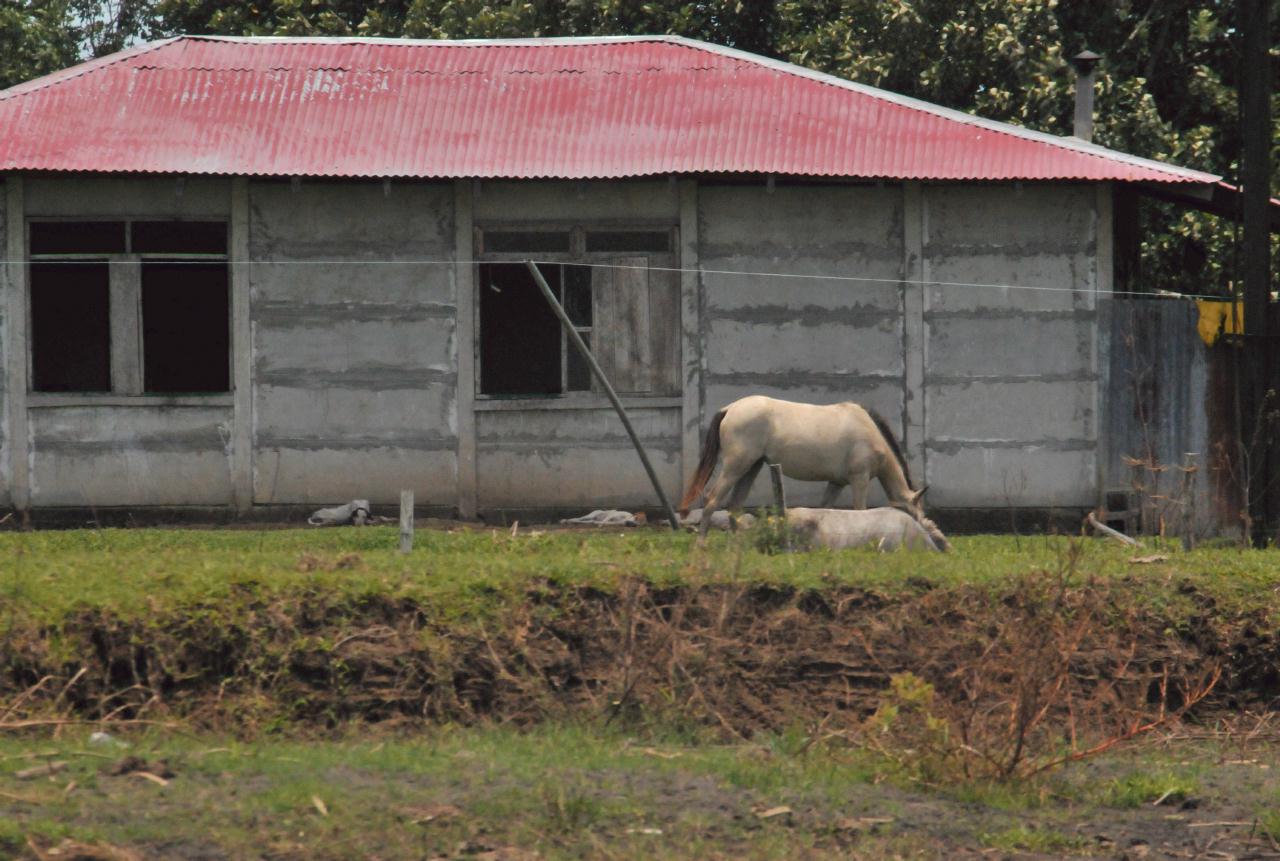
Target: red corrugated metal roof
569 108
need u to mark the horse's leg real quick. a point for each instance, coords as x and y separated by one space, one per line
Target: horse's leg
859 481
730 473
831 494
740 491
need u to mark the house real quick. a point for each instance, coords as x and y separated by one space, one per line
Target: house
255 272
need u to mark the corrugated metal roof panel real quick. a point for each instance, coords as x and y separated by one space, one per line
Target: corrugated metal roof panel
565 108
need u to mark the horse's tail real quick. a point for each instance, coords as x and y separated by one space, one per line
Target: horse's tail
707 463
883 427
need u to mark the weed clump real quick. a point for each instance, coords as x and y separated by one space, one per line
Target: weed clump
1057 675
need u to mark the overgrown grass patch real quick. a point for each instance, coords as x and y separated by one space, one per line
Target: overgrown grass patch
474 573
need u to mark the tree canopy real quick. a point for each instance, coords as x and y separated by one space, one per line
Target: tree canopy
1167 87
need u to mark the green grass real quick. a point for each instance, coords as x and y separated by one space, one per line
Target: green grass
1163 786
1038 840
474 574
1269 822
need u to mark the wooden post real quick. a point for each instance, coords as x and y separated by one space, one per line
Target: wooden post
406 521
608 390
1255 256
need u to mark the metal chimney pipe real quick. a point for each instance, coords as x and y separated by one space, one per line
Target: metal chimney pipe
1084 64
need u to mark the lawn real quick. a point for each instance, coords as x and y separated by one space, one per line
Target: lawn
45 576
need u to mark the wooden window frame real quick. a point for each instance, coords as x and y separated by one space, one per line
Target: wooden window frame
125 324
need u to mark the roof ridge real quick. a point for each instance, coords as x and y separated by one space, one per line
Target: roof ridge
85 68
1070 144
518 41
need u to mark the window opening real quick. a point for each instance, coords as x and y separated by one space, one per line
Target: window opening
171 316
520 336
625 306
186 337
71 326
526 241
77 237
179 237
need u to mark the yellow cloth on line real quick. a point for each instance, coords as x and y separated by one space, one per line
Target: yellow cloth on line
1217 318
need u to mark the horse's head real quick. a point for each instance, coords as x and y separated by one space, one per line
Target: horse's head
915 503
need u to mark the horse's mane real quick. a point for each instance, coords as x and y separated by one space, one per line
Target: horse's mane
883 427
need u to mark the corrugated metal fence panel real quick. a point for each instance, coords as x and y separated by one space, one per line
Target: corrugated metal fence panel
523 109
1162 407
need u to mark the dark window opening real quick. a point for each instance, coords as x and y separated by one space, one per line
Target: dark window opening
520 336
179 237
71 327
627 241
186 336
524 241
77 237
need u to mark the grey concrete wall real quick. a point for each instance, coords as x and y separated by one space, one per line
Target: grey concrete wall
354 351
815 339
124 197
574 458
101 451
1011 376
575 202
89 456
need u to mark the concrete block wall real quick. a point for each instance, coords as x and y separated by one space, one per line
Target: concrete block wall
817 340
354 342
1011 377
101 450
355 348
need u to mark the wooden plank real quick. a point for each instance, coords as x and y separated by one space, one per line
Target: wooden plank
241 349
664 327
464 275
15 348
631 341
603 324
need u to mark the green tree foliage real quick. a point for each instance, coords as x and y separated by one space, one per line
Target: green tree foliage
1167 88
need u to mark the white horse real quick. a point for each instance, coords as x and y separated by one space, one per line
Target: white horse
841 444
883 528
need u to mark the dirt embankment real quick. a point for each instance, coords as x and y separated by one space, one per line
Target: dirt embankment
740 658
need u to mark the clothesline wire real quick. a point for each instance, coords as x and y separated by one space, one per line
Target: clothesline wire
699 270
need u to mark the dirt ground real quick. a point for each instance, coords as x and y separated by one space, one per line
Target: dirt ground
633 801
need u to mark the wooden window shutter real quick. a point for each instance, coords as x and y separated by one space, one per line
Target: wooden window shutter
636 331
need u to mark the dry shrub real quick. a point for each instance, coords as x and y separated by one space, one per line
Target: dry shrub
1058 673
1008 679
